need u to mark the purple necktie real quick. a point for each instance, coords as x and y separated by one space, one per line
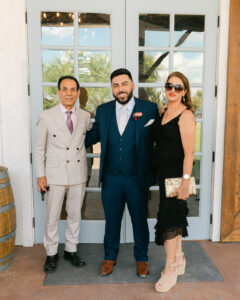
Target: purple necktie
69 121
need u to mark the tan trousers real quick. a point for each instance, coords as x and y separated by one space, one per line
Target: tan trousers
54 200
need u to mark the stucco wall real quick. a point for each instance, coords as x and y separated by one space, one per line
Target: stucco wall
15 113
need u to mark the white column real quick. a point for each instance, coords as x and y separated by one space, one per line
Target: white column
220 118
15 142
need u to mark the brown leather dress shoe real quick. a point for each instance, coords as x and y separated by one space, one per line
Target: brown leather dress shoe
107 267
142 268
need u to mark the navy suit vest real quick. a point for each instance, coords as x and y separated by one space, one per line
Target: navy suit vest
121 154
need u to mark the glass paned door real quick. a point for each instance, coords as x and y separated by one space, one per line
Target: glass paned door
75 40
151 39
177 36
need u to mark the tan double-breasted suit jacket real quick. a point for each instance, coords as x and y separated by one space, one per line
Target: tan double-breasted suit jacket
60 155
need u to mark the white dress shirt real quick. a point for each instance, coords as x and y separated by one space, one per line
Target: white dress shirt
129 108
73 115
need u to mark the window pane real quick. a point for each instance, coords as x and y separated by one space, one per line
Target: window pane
57 28
50 97
94 29
56 63
155 95
95 96
153 66
189 31
94 66
193 205
196 169
153 204
196 94
190 64
92 208
92 205
198 137
154 30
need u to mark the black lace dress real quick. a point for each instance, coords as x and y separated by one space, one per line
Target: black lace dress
168 162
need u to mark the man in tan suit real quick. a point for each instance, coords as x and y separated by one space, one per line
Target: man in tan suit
61 164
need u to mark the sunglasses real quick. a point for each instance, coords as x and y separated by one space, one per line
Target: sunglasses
178 87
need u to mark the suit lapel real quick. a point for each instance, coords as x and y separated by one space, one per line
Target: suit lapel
107 117
58 117
77 124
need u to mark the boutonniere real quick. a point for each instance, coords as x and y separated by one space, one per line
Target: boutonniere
137 115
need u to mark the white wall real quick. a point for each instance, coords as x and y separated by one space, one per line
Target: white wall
15 113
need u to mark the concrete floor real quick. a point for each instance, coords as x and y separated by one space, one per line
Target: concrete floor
24 280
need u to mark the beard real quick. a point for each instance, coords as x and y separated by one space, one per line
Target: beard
129 97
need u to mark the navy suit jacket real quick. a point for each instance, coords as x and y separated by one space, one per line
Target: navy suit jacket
144 140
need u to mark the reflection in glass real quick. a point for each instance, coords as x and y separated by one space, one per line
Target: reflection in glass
190 64
56 63
196 168
153 66
198 137
155 95
57 28
189 31
196 94
94 66
154 30
96 96
94 29
95 164
153 204
92 205
50 97
193 205
93 210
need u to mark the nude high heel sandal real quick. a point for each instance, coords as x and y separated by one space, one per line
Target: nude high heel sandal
181 263
167 281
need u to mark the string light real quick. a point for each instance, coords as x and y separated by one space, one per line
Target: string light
58 14
44 15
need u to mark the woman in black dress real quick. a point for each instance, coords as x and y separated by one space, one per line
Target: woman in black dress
174 135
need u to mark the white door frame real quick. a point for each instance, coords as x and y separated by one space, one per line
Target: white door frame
220 105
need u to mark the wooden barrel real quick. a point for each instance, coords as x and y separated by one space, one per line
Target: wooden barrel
7 220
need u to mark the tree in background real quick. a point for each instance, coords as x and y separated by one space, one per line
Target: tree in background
92 68
197 103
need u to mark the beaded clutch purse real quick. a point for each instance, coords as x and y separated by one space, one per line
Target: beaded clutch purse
171 184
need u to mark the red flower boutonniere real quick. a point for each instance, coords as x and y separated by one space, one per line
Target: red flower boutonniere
137 115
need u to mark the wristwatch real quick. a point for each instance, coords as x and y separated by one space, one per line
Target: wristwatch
186 176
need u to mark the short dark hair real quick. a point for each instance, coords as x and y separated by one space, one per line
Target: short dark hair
68 77
120 71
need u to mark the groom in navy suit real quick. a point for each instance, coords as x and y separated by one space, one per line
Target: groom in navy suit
124 128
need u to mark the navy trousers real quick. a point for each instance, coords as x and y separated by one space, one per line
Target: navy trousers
116 191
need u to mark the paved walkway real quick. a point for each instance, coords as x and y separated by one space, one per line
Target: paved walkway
24 280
